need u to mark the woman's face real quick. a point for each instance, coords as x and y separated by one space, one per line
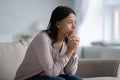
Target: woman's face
67 25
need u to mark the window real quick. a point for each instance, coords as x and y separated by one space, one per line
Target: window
117 25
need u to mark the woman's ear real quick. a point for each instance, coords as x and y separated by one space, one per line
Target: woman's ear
57 24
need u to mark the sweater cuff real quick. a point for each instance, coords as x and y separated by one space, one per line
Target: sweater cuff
66 58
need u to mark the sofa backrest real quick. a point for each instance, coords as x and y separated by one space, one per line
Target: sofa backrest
98 68
11 56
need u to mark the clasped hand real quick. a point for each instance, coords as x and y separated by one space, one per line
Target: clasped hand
73 41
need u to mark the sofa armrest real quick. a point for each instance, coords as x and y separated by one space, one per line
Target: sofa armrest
97 68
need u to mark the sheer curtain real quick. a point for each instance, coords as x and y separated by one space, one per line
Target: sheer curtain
80 7
90 20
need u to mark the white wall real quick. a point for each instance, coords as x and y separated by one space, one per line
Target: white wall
19 16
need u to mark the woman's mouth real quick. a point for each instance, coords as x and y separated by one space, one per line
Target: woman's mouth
70 32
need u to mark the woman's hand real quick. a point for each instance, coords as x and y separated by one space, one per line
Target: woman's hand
73 41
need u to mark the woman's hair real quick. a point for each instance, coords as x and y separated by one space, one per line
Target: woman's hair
58 14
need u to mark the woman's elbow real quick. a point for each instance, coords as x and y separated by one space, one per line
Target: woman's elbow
51 73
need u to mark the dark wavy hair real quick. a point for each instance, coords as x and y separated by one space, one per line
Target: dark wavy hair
58 14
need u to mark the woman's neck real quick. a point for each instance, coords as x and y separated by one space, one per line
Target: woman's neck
60 37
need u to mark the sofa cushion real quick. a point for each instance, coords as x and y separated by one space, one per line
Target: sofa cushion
97 67
11 56
118 73
102 78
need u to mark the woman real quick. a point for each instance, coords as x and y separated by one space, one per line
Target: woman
52 55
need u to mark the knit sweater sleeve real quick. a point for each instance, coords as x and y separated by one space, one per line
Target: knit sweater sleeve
72 65
44 56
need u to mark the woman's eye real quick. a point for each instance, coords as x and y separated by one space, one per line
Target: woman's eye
70 22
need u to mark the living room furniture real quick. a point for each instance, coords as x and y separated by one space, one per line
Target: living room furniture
12 54
99 69
101 52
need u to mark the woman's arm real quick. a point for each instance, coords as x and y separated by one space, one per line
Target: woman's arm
72 65
44 56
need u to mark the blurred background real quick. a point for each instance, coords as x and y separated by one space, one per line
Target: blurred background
98 21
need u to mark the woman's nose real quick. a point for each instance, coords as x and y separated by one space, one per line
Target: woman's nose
73 26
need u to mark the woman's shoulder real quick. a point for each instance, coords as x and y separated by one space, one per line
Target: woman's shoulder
43 34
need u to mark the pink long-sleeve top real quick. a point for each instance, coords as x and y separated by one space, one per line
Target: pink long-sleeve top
44 59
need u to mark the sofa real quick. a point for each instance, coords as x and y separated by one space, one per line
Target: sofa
12 54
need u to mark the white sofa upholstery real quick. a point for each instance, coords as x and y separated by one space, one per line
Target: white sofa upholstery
12 54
